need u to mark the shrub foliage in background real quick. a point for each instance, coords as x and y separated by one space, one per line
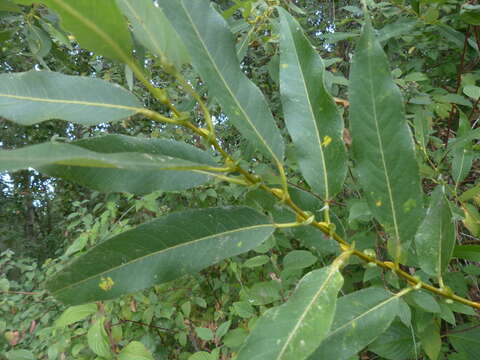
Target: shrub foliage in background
274 204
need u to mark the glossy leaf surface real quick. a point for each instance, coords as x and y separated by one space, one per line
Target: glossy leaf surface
379 135
295 329
360 317
101 28
115 163
159 251
435 238
32 97
211 45
152 30
311 115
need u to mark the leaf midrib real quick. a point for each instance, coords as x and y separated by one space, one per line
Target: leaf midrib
74 102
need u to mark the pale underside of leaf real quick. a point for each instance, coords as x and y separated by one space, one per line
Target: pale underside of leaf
31 97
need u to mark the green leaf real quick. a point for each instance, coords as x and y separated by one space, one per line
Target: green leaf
159 251
466 339
152 30
19 355
135 351
435 238
38 41
205 334
311 115
4 285
428 330
75 313
115 163
97 339
299 259
471 219
423 300
471 193
6 5
256 261
467 252
100 28
294 329
472 91
394 30
397 343
202 355
211 46
470 13
222 329
31 97
359 319
379 133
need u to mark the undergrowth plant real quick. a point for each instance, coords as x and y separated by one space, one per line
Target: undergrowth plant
384 280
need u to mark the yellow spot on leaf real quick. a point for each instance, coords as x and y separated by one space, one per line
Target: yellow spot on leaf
284 66
106 283
326 141
378 203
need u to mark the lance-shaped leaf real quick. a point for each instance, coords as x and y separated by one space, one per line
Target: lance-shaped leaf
159 251
435 238
152 30
115 163
295 329
31 97
382 144
360 317
100 27
212 49
310 112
